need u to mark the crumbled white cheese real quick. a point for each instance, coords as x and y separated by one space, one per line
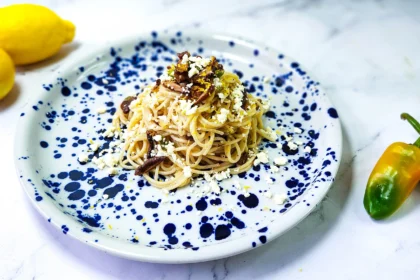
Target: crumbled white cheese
274 169
157 138
83 157
237 185
269 180
266 105
170 149
207 177
113 171
110 160
206 189
101 110
307 149
222 96
197 63
187 172
109 132
185 106
105 196
288 138
193 71
271 133
99 162
215 187
191 110
292 145
266 80
200 62
280 161
237 95
299 143
184 59
222 175
279 199
268 194
105 81
94 147
222 117
246 194
262 157
165 191
217 82
297 130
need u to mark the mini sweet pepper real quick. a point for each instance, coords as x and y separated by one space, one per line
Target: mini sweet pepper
394 177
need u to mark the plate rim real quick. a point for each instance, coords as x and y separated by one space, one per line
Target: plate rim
160 255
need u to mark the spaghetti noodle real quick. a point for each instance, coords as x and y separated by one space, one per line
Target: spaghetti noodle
197 120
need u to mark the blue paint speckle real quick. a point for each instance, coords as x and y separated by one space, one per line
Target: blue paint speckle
43 144
333 113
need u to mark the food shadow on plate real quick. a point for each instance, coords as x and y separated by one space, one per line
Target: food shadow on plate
274 256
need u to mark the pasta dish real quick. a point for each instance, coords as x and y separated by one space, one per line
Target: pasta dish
197 120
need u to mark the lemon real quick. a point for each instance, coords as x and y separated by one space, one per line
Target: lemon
30 33
7 74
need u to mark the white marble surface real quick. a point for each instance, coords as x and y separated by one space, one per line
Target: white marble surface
365 53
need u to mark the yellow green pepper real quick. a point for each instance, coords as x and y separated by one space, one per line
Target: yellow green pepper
394 177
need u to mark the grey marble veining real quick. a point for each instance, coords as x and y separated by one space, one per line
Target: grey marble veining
364 53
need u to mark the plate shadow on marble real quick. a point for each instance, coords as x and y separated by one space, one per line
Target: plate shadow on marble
11 98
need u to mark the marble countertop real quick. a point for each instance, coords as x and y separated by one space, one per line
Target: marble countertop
364 53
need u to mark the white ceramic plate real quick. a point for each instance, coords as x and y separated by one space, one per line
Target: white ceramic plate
134 222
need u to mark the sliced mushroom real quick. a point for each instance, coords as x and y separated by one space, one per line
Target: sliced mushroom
181 69
173 86
204 95
156 86
149 164
181 77
150 135
125 105
244 100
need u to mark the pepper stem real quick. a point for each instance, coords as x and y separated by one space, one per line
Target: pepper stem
414 123
417 143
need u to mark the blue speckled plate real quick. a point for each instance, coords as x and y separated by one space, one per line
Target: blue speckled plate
134 222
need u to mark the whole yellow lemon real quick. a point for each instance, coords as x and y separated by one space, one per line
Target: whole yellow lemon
30 33
7 74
